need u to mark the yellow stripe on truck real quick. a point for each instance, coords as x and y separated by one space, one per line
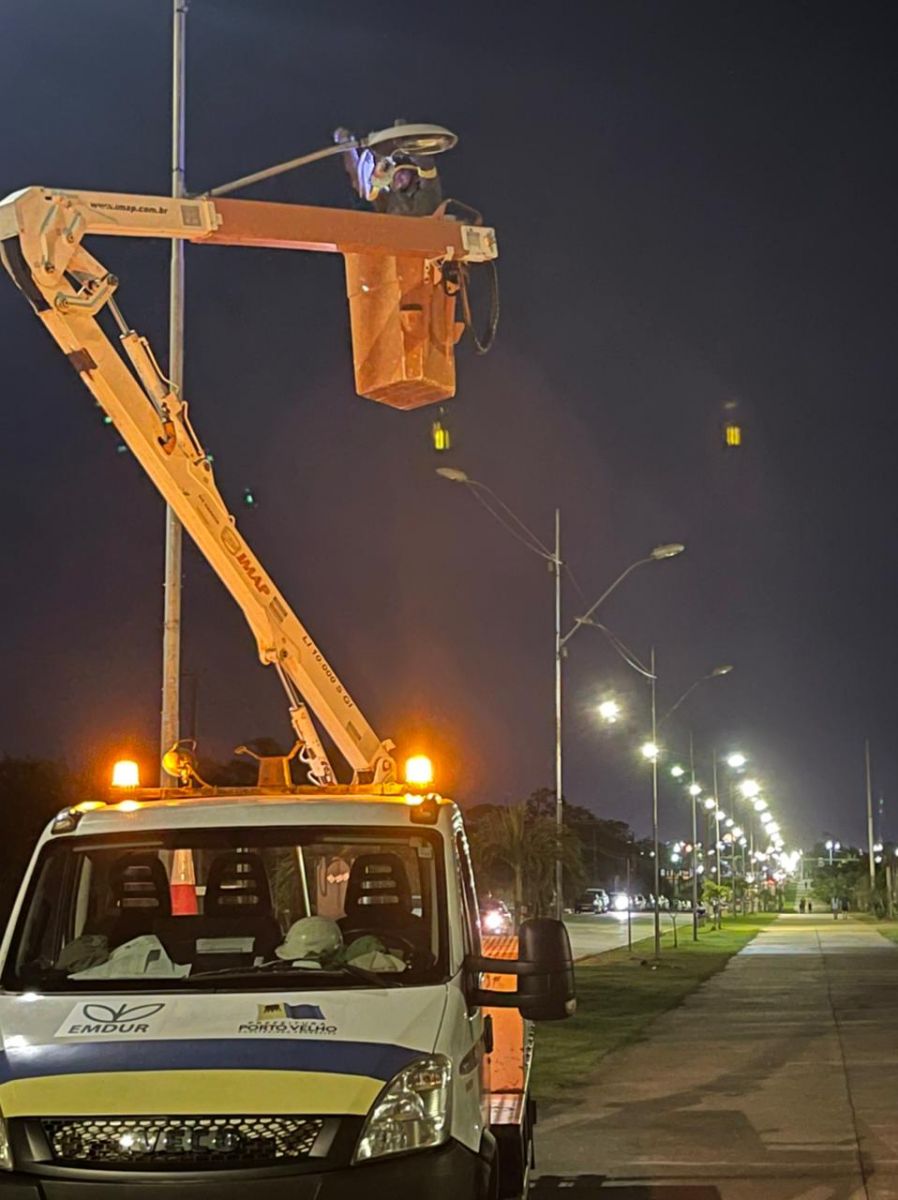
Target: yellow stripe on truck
188 1093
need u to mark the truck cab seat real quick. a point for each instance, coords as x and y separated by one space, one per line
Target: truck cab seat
238 901
379 899
138 883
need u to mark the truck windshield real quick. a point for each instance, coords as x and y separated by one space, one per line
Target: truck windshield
240 907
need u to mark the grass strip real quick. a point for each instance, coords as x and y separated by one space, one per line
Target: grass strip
888 929
619 994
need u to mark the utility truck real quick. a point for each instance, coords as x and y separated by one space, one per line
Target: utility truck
285 985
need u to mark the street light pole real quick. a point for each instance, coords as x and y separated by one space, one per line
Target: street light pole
171 622
553 558
716 820
694 796
559 794
870 819
654 811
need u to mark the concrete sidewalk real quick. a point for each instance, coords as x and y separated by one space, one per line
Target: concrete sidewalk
776 1080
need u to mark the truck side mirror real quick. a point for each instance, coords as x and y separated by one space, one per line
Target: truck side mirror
545 971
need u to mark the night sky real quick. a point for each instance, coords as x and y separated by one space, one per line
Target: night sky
696 203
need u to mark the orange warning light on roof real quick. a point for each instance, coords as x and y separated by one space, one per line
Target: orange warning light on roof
125 774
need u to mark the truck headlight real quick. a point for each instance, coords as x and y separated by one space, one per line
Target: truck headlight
412 1112
5 1152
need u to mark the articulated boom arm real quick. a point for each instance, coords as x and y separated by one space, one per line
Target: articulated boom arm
41 232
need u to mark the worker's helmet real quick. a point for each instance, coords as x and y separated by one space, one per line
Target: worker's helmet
315 938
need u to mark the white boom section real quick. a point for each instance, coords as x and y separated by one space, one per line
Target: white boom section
40 243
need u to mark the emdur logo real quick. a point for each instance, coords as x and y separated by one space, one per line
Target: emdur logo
108 1018
122 1014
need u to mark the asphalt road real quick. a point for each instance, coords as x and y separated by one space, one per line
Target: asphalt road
595 935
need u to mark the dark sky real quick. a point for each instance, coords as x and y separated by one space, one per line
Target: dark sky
695 204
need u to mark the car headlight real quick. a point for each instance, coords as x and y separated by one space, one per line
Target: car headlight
5 1152
412 1112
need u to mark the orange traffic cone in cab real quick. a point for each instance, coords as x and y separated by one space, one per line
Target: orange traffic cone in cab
183 885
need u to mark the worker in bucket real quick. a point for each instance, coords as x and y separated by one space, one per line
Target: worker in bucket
401 184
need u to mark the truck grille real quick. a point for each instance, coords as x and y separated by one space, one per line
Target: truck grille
187 1143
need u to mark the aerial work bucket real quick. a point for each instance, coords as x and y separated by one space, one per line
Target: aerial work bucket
403 330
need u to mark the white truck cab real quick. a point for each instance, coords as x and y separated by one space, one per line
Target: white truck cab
202 990
261 987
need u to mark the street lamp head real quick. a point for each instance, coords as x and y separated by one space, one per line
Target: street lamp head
723 670
411 139
453 473
677 772
736 761
649 751
610 711
761 805
750 788
667 550
828 845
695 789
710 803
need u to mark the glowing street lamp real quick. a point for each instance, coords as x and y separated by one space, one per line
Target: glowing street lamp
610 711
750 789
695 789
736 761
649 751
677 772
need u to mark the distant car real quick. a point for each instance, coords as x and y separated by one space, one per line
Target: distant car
495 918
639 902
593 900
620 901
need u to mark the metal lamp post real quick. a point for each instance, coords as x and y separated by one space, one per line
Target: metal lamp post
669 550
694 789
170 720
412 139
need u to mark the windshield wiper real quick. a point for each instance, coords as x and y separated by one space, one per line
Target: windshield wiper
369 977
